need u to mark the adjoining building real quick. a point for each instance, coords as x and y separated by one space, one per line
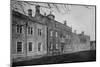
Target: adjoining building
93 45
80 42
58 34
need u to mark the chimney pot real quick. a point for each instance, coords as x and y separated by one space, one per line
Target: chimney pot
37 7
30 12
65 23
51 16
82 32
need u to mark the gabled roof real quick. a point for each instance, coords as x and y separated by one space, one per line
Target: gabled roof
18 15
43 20
62 26
24 17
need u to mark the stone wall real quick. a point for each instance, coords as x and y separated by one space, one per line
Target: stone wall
25 38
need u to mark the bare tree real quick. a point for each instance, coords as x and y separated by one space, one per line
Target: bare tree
20 6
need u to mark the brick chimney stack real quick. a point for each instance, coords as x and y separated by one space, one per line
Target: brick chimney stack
82 32
65 22
37 8
30 12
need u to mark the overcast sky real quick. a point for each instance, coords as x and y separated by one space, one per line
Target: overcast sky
81 18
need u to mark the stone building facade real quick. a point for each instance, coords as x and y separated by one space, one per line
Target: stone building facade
80 42
43 35
58 34
18 35
28 36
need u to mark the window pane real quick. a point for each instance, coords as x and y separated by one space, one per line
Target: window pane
39 46
56 46
19 46
30 46
18 28
40 32
51 46
51 33
31 30
56 34
28 30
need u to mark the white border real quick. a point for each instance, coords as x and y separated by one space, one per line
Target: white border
5 33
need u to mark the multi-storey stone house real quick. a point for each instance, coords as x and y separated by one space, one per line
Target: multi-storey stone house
43 35
28 36
58 34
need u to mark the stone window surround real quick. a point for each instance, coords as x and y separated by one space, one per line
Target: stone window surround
30 30
28 46
17 46
19 29
39 46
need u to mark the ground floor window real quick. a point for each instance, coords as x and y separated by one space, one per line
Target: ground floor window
57 46
19 46
51 33
30 46
51 46
39 46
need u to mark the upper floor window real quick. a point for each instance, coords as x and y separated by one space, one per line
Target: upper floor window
19 29
51 33
30 30
56 34
19 46
39 32
39 46
30 46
